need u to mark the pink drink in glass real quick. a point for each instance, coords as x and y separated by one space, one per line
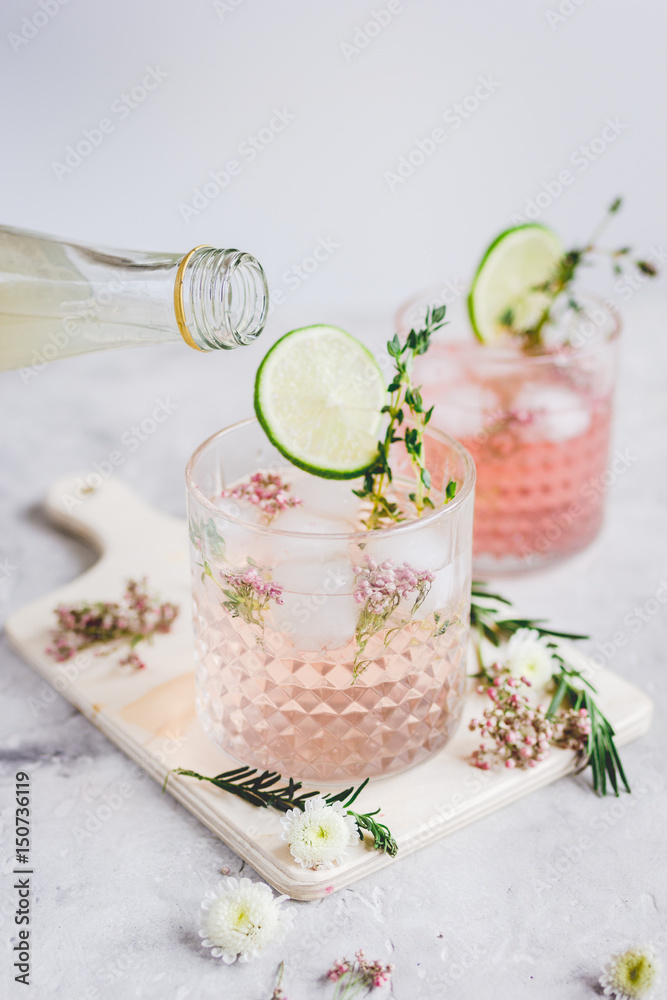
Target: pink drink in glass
295 711
538 428
288 686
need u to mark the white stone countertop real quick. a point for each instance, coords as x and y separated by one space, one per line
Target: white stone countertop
509 907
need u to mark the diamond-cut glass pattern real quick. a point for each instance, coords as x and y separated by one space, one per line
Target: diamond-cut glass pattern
540 498
270 705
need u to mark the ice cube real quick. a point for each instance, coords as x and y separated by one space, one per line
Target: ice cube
311 522
327 497
424 546
440 596
555 412
318 611
311 547
335 576
241 509
239 541
463 410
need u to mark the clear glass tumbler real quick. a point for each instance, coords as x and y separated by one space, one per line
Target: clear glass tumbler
297 669
537 425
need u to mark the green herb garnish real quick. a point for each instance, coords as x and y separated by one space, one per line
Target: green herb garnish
490 618
567 269
260 790
405 411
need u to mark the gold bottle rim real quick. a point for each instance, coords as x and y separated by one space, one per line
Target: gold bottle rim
178 297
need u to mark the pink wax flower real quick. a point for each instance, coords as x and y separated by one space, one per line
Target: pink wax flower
138 616
520 733
250 579
383 585
267 491
350 977
380 588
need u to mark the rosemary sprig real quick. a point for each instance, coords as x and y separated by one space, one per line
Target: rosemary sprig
600 751
494 625
260 790
405 409
381 834
257 789
492 622
566 271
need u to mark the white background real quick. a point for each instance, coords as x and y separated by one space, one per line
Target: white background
128 901
355 114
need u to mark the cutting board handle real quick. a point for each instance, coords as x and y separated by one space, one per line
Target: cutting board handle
108 514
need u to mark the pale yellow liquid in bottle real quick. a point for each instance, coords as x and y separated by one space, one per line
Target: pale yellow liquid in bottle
58 300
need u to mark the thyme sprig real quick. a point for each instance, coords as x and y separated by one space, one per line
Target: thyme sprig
259 789
381 589
565 272
248 594
405 411
491 620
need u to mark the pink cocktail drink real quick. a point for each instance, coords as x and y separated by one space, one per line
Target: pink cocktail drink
539 496
324 651
538 427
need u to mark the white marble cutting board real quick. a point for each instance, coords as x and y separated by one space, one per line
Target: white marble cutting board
150 714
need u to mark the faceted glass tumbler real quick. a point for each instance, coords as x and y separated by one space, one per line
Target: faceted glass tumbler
537 425
300 678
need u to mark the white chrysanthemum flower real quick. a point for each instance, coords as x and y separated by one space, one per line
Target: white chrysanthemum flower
319 836
528 655
240 918
631 975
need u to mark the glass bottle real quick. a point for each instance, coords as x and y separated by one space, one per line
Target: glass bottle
59 298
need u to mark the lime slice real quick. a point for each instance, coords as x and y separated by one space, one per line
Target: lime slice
319 394
517 261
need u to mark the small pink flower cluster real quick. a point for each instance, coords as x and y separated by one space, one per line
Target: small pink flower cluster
338 970
137 617
248 595
267 491
251 582
359 973
383 586
521 733
571 731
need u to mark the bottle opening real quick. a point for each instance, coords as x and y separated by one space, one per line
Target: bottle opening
223 296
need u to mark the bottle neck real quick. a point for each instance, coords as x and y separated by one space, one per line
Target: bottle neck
220 299
61 298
